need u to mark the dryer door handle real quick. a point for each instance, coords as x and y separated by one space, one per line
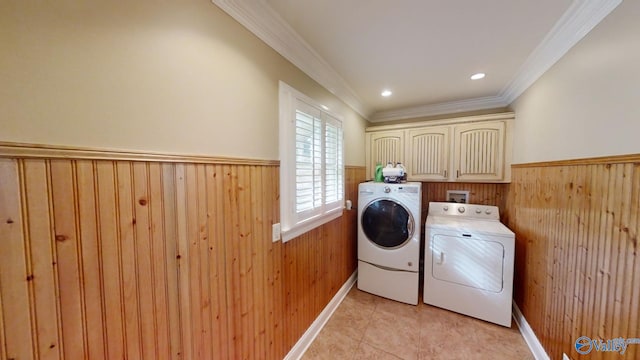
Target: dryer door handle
410 226
440 259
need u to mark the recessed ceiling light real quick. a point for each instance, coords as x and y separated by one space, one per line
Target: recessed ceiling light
386 93
477 76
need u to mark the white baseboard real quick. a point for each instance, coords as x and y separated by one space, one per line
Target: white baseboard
307 338
529 336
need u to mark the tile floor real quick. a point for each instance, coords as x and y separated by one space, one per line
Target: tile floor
366 326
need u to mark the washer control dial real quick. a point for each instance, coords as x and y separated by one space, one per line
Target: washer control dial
445 208
461 209
387 189
488 211
478 211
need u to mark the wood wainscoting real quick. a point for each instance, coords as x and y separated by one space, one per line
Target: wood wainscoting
112 259
479 193
577 264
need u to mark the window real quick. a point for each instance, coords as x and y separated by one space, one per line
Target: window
311 164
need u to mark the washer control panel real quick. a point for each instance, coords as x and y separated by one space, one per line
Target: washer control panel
486 212
381 189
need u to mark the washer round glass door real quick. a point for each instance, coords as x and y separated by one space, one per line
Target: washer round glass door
387 223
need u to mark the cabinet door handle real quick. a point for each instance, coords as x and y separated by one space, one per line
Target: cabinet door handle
457 173
445 173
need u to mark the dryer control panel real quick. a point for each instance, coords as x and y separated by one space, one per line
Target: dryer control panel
485 212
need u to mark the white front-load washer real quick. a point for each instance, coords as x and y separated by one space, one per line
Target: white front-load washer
389 240
469 257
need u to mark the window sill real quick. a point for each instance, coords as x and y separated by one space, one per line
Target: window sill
310 224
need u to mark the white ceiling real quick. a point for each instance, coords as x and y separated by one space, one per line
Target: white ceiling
422 50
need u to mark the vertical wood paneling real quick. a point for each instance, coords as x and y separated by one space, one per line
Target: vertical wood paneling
112 291
276 287
42 257
245 245
120 259
633 291
144 254
14 274
232 261
257 259
205 258
91 260
577 237
67 249
215 199
168 223
160 308
183 261
193 262
128 260
479 193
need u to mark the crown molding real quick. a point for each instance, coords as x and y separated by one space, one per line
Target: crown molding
268 26
450 107
259 18
579 19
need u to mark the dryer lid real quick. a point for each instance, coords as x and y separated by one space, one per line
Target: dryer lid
468 226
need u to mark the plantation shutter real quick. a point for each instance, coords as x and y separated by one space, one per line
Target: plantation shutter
334 176
308 178
311 163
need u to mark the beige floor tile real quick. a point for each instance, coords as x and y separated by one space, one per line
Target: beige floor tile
329 345
362 298
366 351
442 339
445 353
369 327
395 334
396 308
350 319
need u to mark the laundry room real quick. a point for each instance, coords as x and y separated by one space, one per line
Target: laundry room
225 179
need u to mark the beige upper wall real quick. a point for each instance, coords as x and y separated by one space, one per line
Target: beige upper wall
166 76
587 104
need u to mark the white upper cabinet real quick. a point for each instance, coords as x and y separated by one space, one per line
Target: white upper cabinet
466 149
479 151
427 153
384 146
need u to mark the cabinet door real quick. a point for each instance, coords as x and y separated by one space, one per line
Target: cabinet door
479 151
428 153
384 146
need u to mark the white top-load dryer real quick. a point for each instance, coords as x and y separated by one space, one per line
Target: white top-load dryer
389 240
469 256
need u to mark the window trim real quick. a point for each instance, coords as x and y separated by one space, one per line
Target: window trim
291 227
